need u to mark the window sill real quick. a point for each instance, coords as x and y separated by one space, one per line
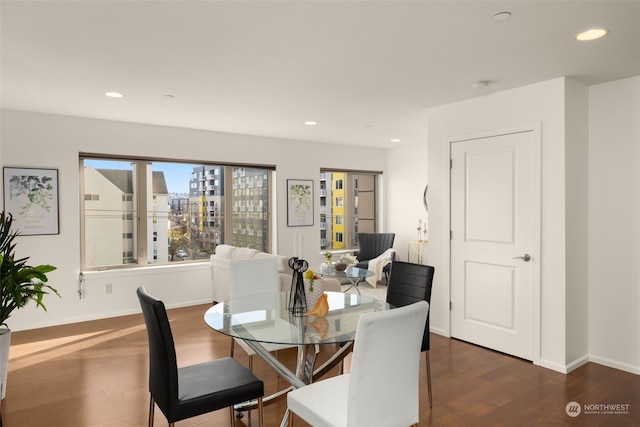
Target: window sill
339 251
149 269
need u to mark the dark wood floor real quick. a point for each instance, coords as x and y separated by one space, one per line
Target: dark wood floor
95 374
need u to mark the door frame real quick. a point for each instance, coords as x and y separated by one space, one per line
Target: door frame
535 128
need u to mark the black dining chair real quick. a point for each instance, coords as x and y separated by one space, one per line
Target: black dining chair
372 245
409 283
186 392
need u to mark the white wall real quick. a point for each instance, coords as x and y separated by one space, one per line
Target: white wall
50 141
405 180
576 205
539 103
614 224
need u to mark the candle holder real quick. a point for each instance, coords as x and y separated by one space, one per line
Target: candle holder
297 298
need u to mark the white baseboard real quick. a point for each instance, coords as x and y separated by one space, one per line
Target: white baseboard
565 369
439 331
615 364
553 366
577 363
108 315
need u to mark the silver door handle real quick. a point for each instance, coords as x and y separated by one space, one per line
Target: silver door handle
525 257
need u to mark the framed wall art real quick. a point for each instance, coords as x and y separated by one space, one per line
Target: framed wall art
299 202
31 196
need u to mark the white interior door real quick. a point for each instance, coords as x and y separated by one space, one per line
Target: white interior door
492 242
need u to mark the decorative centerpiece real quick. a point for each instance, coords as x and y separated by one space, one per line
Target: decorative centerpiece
346 261
297 299
313 288
321 308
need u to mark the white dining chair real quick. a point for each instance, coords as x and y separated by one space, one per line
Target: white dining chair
382 388
331 285
248 277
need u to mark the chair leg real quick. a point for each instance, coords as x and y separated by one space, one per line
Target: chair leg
426 356
290 414
232 416
260 413
239 414
152 406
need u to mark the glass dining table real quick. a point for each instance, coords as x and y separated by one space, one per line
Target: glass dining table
265 318
354 275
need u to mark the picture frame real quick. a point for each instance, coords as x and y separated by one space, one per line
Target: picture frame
299 202
31 196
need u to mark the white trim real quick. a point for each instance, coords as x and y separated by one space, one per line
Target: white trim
149 269
536 128
577 363
615 364
553 366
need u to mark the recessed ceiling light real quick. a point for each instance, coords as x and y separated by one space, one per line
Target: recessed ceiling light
592 34
502 16
114 94
395 140
310 123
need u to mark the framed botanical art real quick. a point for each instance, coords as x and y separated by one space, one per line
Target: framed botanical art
31 196
299 202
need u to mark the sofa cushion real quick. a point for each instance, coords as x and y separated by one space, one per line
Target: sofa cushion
244 253
283 262
225 251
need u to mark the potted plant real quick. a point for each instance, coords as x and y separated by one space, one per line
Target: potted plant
19 284
327 257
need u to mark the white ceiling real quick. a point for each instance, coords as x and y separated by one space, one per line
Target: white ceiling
366 71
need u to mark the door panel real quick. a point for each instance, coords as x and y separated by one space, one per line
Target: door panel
492 225
489 295
490 203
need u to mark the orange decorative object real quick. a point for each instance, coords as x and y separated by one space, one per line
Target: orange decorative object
321 325
321 308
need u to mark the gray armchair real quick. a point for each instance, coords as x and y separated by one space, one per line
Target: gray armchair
372 245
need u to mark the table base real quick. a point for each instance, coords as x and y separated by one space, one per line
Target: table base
305 372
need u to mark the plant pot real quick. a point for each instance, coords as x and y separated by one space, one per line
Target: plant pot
5 342
314 295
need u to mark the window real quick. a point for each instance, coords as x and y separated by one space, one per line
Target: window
187 212
347 206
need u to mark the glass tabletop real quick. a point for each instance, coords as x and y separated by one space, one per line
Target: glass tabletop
349 273
266 318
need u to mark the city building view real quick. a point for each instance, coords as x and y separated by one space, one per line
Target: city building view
347 206
215 205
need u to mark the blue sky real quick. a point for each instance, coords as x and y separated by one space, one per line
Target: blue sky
177 175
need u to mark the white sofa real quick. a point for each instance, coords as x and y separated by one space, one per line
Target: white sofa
226 254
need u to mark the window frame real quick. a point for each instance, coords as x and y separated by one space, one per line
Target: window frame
141 247
347 209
